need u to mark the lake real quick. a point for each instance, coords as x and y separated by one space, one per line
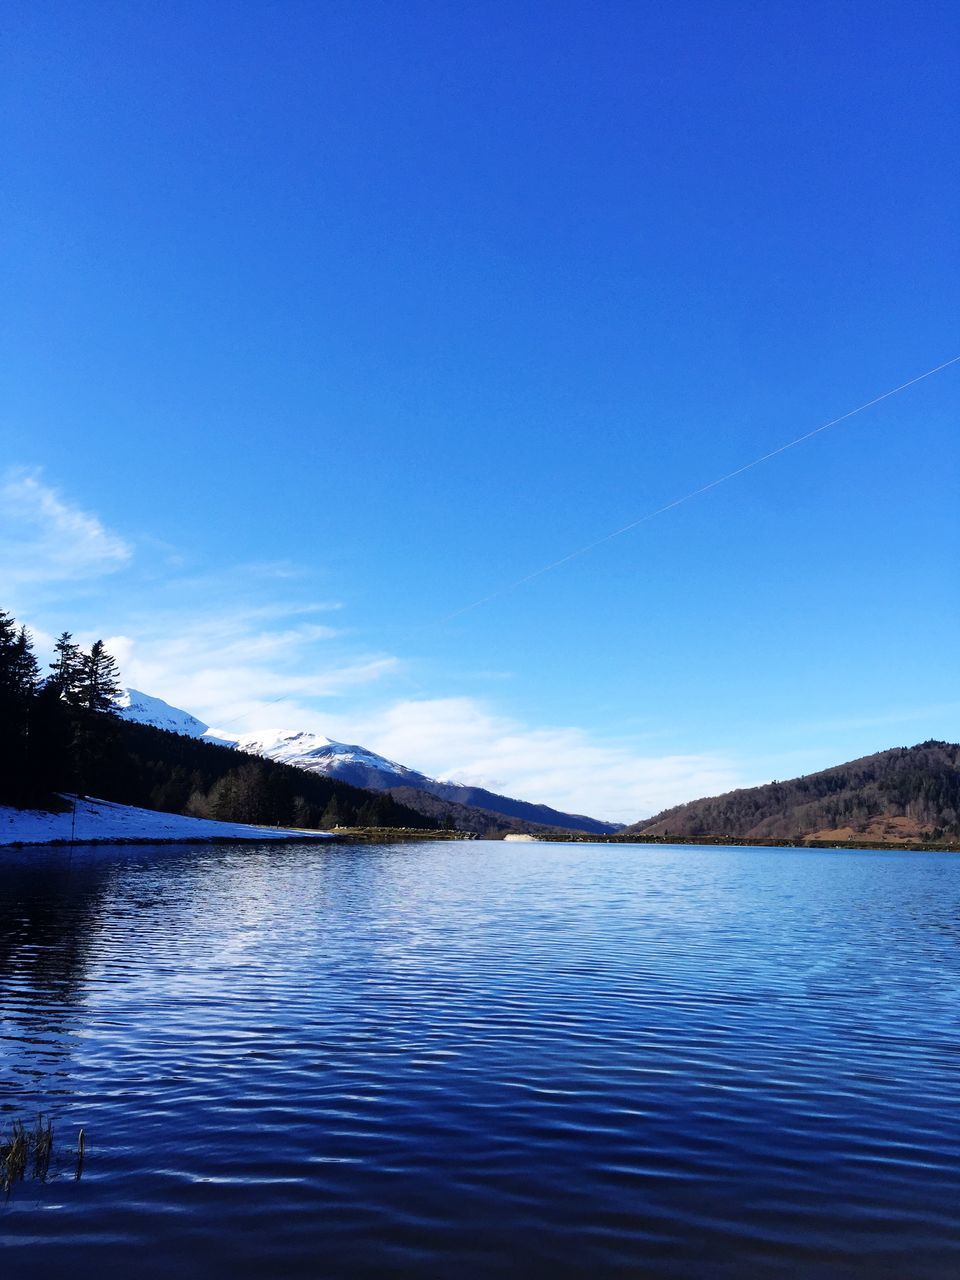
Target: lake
484 1059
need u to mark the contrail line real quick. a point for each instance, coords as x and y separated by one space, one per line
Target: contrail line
694 493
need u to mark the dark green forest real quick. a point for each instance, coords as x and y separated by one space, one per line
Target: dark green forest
54 728
60 733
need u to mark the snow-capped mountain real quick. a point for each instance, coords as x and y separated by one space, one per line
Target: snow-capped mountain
145 709
353 764
363 768
134 705
356 765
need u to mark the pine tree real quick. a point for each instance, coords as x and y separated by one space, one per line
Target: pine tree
8 651
67 670
21 749
11 746
26 669
99 681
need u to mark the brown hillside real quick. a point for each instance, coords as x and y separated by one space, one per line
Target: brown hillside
907 793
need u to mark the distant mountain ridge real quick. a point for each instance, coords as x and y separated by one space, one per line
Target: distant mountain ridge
350 763
363 768
905 793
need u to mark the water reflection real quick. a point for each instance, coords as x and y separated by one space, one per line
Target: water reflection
50 909
492 1059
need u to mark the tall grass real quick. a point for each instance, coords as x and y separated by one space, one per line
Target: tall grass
27 1153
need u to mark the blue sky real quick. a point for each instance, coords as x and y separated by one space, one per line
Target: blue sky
323 321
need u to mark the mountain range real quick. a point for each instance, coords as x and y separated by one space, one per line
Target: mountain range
902 794
465 807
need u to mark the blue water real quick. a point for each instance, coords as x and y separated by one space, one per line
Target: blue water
484 1059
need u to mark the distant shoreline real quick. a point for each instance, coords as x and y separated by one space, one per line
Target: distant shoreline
98 823
797 842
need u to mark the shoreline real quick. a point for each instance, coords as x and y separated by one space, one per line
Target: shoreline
94 842
92 822
784 842
362 835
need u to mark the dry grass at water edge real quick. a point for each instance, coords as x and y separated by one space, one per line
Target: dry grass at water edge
27 1153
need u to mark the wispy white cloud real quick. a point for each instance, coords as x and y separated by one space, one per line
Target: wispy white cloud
44 538
244 669
467 741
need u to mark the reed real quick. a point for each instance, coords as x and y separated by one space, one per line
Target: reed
27 1152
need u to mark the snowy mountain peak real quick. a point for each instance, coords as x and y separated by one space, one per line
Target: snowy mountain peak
324 755
143 708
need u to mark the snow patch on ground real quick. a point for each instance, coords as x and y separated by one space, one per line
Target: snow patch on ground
103 821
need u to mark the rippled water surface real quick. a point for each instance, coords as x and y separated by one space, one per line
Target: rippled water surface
474 1059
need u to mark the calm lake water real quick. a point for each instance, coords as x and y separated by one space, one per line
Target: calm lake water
473 1059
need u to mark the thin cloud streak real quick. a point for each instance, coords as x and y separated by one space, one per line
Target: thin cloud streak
242 678
234 672
464 740
46 539
897 715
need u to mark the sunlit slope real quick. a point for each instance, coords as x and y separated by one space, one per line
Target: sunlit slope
905 793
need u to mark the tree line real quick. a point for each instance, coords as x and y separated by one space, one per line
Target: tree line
62 733
53 727
155 769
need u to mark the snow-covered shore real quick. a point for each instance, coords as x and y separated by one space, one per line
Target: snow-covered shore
102 822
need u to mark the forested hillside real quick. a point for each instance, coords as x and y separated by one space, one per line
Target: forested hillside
159 770
904 793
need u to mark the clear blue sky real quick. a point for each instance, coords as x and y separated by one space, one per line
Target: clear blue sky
387 305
